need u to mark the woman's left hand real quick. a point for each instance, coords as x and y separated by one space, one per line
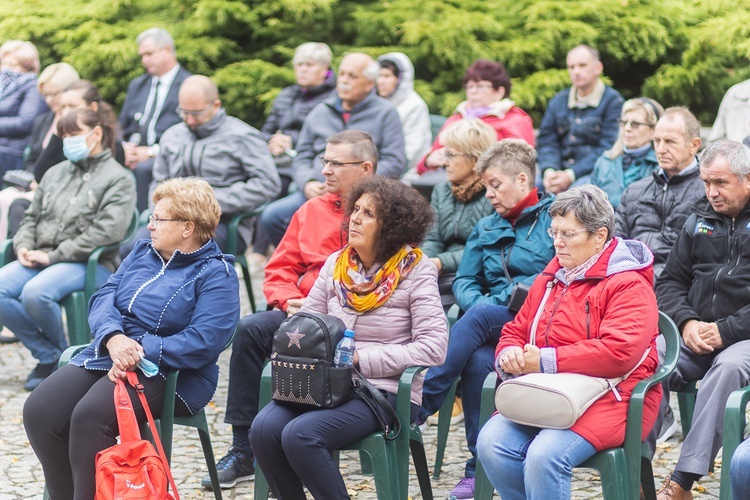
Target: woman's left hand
517 361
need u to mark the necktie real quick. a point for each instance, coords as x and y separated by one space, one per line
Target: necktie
146 123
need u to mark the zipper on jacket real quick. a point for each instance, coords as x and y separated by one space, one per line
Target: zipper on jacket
664 205
588 320
551 316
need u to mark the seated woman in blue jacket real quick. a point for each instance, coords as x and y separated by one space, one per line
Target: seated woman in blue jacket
632 157
508 247
174 301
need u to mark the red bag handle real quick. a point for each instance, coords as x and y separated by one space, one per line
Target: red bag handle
128 424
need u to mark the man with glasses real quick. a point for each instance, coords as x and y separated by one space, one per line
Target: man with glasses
228 153
315 232
354 105
149 107
655 208
580 123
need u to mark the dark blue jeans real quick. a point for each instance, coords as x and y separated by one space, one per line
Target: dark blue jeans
471 354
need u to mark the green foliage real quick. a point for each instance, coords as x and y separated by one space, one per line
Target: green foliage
684 52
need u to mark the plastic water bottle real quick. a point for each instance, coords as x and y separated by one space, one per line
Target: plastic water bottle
344 355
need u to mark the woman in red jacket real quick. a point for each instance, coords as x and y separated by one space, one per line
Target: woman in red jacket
599 320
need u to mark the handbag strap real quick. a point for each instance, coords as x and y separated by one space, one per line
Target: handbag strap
135 383
378 404
540 310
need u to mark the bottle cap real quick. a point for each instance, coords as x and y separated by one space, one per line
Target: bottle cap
349 333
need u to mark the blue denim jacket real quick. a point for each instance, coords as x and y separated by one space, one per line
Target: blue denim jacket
575 138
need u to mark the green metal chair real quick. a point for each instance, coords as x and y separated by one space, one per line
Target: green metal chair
76 303
735 423
621 469
389 459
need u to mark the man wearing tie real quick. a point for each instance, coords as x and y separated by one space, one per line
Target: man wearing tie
150 106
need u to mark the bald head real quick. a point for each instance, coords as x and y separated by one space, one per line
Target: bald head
199 100
356 78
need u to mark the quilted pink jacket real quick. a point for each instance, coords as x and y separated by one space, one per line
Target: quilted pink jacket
410 329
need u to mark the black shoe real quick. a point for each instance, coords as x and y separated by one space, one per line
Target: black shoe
38 374
236 466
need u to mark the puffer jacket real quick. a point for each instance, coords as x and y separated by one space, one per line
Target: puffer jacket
409 329
18 110
230 155
413 111
183 312
599 325
453 224
494 245
292 105
575 138
78 207
707 274
508 120
609 175
654 210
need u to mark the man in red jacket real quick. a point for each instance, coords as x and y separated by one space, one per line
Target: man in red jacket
316 231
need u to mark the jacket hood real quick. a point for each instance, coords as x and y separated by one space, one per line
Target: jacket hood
210 127
210 250
621 256
406 78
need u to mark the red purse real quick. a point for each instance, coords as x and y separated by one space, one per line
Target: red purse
133 470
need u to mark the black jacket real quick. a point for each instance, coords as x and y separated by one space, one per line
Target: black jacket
707 275
654 210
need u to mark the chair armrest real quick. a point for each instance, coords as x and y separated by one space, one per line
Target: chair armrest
734 422
453 314
234 225
487 406
403 396
68 354
7 254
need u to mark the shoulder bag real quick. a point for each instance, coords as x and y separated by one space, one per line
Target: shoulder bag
133 470
552 400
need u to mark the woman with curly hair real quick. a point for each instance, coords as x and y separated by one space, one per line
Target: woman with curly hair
382 287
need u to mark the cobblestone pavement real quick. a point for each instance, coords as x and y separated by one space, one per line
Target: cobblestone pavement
22 475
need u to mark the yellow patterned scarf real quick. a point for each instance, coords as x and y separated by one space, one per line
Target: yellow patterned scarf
363 294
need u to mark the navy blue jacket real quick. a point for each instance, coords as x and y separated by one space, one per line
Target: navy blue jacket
18 111
575 138
183 312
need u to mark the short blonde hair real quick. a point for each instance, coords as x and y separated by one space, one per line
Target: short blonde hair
24 52
59 74
313 51
472 137
192 200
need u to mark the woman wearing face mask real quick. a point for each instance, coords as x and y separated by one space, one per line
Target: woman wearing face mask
20 102
80 204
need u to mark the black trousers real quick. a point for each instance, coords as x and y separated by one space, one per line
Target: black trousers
71 416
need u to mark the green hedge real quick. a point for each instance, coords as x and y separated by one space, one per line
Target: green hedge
676 51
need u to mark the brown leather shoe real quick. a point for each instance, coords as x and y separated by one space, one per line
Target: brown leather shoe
673 491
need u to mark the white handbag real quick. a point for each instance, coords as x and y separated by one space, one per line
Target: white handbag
552 400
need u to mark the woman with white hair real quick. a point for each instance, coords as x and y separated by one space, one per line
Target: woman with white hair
20 102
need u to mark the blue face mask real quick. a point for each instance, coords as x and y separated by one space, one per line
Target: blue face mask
148 368
75 147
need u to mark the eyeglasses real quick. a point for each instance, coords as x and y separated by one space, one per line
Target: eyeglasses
336 164
564 235
156 220
478 86
450 156
633 124
183 113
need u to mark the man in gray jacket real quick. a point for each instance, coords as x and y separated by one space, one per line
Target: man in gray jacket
228 153
354 106
654 209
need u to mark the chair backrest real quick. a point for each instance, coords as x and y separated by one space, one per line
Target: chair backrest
436 123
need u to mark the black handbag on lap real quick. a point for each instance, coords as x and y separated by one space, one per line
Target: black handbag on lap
302 371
